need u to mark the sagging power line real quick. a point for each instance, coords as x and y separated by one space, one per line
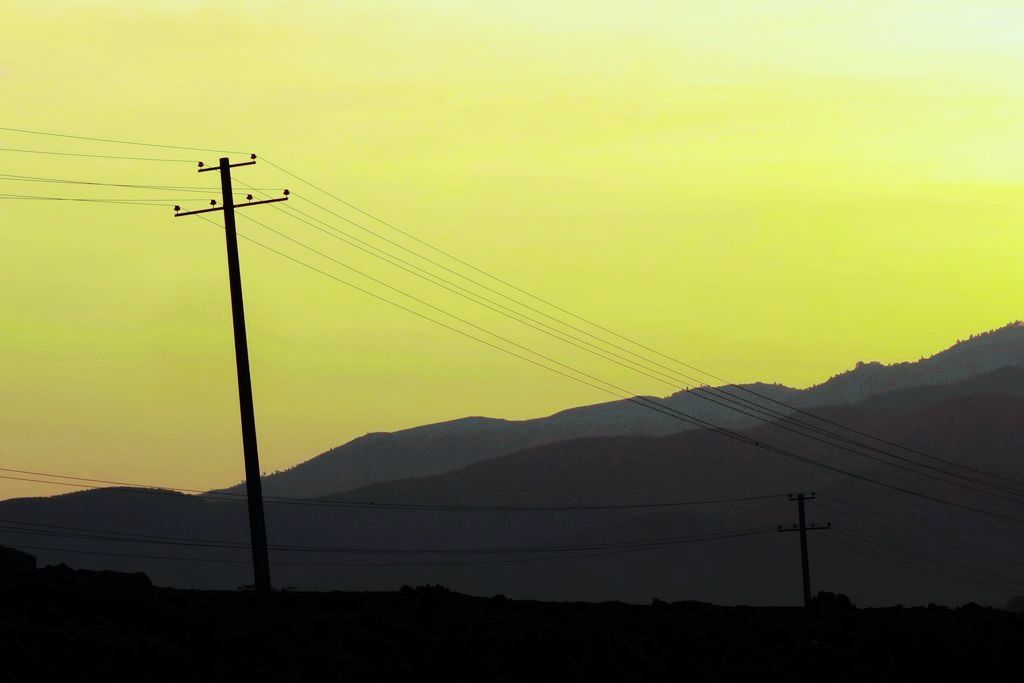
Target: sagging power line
150 489
595 325
68 181
713 395
118 157
916 567
652 404
85 533
432 563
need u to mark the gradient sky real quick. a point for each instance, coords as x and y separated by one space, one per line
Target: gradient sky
769 190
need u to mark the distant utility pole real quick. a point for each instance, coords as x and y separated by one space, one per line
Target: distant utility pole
253 486
803 529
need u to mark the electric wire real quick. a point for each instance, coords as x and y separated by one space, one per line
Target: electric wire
398 564
766 415
657 407
616 390
619 336
94 156
160 201
85 482
64 181
915 567
899 549
117 142
115 537
671 412
973 578
1012 557
922 537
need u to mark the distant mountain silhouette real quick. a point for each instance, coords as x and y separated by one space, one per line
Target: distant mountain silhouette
974 422
446 446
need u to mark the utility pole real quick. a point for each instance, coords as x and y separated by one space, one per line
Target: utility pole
803 529
253 485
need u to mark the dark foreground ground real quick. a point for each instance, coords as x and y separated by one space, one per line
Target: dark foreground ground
57 622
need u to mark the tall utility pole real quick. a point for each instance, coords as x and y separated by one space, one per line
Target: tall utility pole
253 485
803 529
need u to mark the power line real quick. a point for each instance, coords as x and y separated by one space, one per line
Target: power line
132 536
915 567
400 564
924 536
624 546
484 287
119 537
945 567
875 541
777 420
158 201
615 390
22 546
65 181
733 403
1014 558
589 322
653 405
479 299
117 142
88 483
94 156
221 544
93 481
893 444
425 303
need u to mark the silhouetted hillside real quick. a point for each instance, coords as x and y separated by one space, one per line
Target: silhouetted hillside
437 448
55 626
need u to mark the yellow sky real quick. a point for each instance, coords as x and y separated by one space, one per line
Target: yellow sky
769 190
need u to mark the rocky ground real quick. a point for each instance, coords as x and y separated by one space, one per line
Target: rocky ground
102 626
